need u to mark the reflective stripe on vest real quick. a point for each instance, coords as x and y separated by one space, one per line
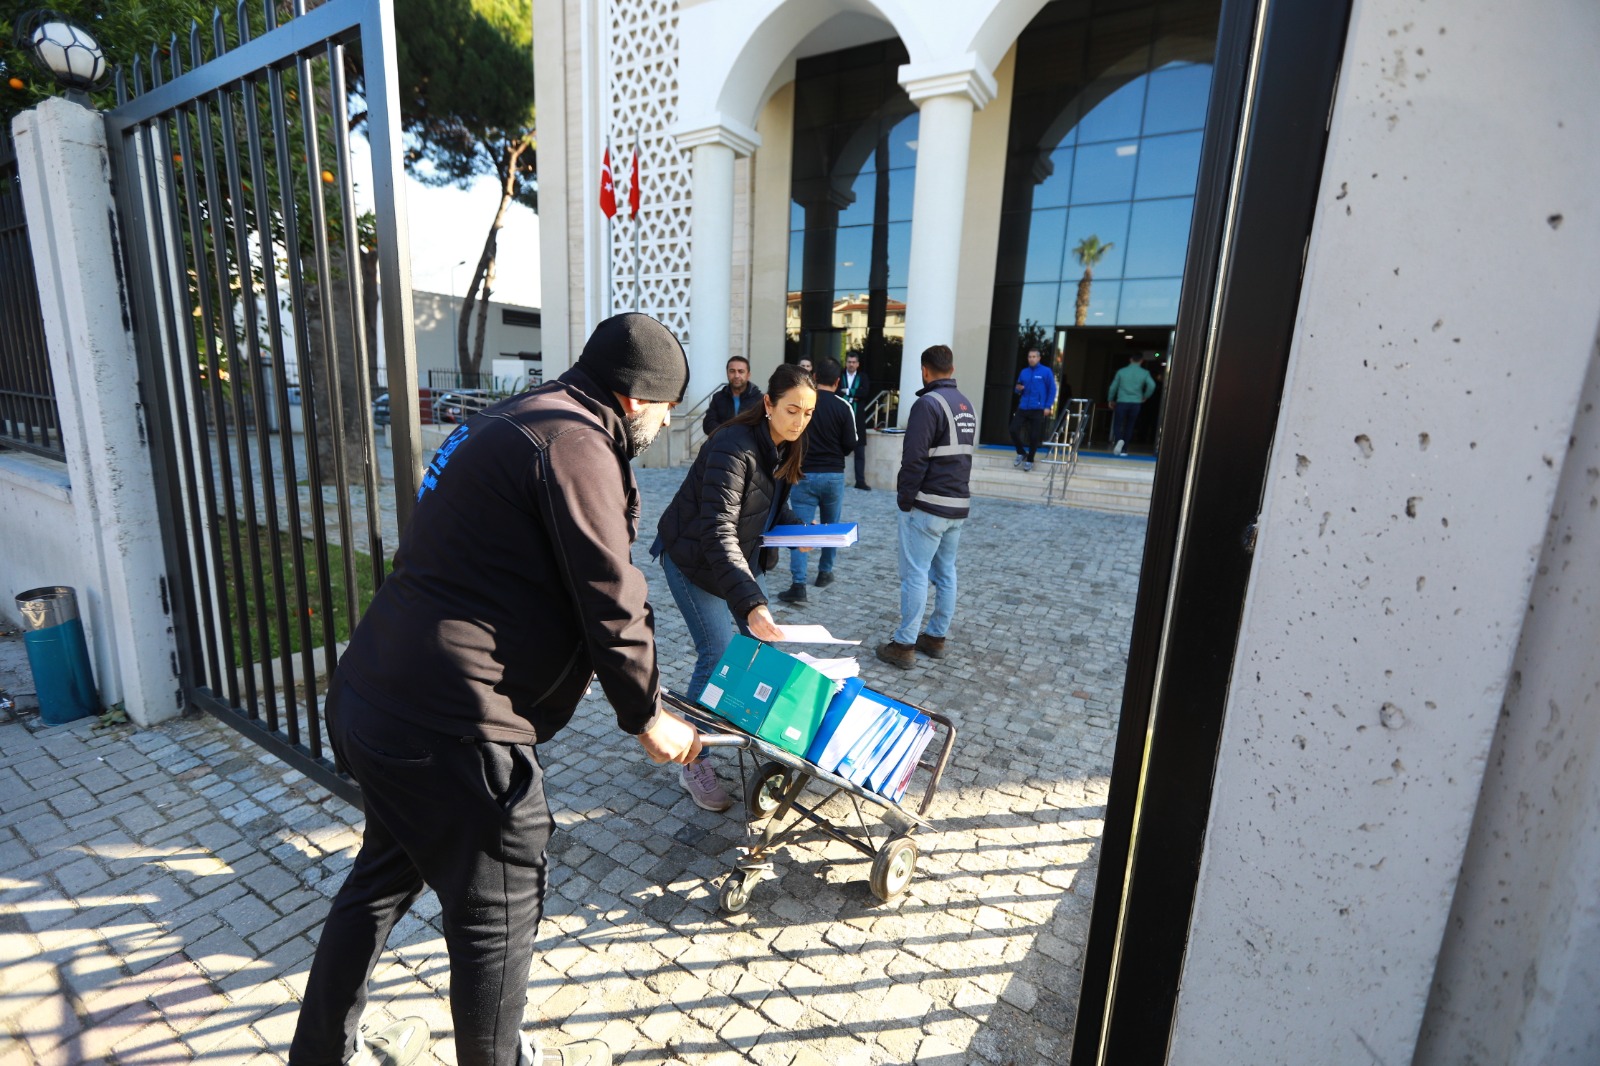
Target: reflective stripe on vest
949 447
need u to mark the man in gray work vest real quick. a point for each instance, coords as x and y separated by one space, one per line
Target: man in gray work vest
933 494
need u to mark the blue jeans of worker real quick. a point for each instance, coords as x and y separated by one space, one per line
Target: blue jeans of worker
928 546
1122 419
811 492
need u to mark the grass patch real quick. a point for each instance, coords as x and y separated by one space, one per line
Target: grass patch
243 616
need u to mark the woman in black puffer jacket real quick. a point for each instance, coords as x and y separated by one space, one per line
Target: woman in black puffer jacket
709 537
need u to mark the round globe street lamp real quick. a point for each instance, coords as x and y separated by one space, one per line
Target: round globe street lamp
64 50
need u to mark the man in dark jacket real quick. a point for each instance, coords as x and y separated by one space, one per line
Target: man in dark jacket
857 390
740 392
934 498
512 589
830 437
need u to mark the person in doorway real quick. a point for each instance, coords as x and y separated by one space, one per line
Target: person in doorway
831 437
709 536
737 395
934 498
1130 388
855 388
450 679
1036 392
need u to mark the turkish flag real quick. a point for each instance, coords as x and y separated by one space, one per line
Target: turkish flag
608 191
633 186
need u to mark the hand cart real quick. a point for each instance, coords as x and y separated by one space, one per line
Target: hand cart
772 796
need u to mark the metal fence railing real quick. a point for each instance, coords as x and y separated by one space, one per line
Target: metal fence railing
29 418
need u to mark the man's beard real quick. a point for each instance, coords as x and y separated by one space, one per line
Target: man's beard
640 433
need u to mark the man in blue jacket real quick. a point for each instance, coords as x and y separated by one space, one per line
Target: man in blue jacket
1036 392
934 498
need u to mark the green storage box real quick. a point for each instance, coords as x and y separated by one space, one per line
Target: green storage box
768 694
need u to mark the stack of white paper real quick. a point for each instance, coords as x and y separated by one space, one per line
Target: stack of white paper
838 669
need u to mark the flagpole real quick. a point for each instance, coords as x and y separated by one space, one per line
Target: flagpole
606 294
633 197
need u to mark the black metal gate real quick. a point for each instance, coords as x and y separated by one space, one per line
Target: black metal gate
29 419
254 278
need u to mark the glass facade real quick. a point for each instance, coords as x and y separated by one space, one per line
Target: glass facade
855 143
1103 154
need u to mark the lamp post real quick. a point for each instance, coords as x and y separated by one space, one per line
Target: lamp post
64 50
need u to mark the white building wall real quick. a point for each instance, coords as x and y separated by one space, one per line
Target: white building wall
649 66
436 316
35 504
1448 319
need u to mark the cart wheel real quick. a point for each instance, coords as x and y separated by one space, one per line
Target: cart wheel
766 790
892 867
736 892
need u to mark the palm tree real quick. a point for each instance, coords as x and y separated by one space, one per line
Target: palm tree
1088 252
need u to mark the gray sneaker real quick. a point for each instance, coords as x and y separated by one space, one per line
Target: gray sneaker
1016 462
394 1045
699 779
1027 466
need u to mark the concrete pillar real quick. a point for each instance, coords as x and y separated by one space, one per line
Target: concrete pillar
714 146
1403 523
66 189
947 96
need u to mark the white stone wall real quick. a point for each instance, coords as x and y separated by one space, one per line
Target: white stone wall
1448 318
35 507
641 38
104 511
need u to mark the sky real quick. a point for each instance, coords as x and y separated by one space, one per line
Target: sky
449 225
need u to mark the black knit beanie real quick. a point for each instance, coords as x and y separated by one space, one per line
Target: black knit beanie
637 356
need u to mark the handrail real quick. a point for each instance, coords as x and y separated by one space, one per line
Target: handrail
882 410
691 421
1062 445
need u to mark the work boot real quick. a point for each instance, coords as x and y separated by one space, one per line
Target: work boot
795 593
933 647
699 779
577 1053
824 579
902 655
394 1045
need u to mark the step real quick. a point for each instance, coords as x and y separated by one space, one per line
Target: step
1120 486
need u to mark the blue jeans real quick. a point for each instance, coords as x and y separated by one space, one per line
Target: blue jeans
1123 416
928 546
809 493
710 622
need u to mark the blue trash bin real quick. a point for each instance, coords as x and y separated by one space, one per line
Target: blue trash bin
57 654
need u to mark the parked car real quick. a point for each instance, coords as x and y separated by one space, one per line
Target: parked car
460 404
380 409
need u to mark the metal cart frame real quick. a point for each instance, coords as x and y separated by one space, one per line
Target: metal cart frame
775 815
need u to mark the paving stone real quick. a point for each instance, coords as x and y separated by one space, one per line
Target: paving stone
185 841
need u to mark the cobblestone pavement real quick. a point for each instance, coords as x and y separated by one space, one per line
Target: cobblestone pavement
161 890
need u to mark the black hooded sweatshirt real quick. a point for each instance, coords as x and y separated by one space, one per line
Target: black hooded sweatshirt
513 585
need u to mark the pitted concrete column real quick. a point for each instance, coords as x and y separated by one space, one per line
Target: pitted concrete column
714 146
947 97
66 190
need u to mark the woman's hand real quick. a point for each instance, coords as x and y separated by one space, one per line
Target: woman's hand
761 625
